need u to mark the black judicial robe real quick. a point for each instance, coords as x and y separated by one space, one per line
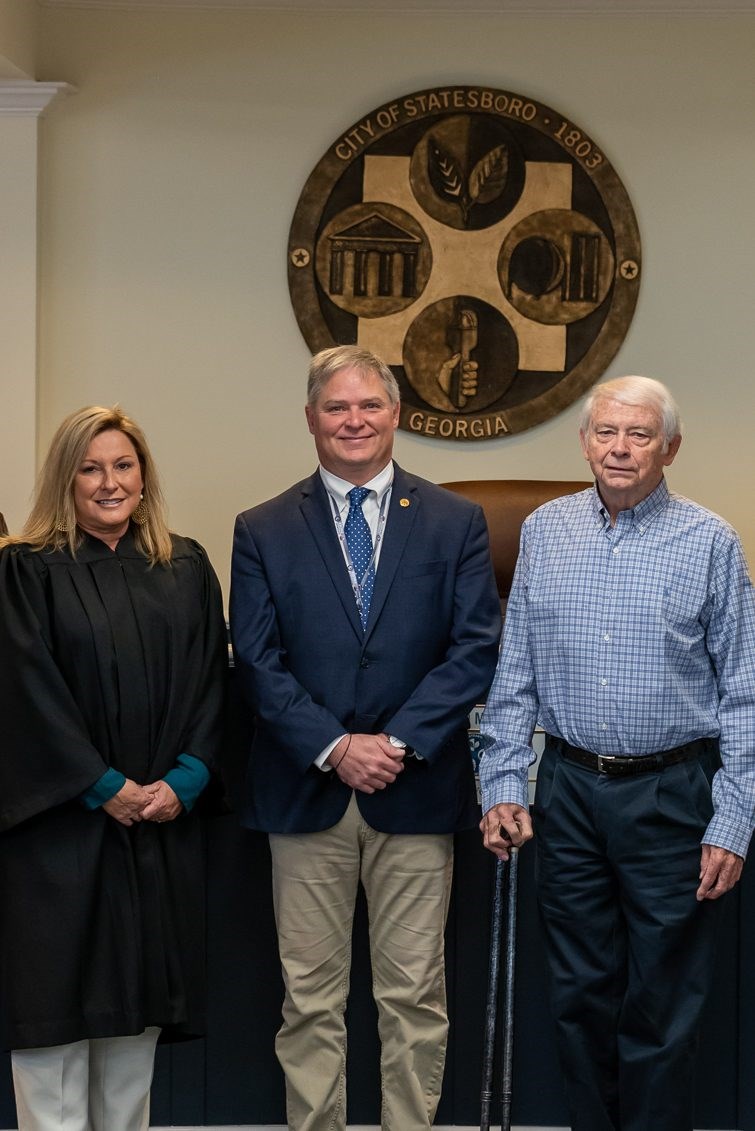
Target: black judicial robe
104 661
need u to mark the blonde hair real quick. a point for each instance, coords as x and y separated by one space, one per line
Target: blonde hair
51 525
328 362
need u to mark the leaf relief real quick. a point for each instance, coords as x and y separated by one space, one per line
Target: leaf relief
488 178
443 172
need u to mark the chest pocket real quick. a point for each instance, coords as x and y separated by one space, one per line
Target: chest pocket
416 571
683 614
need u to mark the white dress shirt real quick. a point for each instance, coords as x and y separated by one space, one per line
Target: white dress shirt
375 504
375 511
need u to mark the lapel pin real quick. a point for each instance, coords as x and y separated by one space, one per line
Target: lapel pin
404 503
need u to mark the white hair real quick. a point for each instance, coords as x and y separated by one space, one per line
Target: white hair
645 391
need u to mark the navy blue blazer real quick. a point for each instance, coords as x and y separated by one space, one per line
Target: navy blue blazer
311 674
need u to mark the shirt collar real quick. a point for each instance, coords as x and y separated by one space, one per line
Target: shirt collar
339 488
645 511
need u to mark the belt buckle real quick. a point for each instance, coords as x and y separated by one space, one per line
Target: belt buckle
605 758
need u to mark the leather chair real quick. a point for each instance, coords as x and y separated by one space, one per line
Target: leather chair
506 503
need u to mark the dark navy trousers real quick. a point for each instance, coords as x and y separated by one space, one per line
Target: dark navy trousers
630 950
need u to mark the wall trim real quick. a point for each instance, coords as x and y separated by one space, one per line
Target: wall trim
25 96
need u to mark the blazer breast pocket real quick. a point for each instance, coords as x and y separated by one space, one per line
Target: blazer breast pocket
416 571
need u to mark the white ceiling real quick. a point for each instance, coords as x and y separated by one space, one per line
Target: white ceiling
530 7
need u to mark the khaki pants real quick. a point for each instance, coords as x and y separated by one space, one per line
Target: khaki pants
407 881
96 1085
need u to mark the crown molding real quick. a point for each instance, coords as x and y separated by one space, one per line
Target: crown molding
24 96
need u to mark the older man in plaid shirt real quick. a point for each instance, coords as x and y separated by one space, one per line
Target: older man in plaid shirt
630 639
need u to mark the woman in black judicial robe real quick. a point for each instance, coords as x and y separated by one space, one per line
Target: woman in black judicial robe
113 658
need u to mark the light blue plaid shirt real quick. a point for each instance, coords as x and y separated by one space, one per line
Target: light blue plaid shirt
628 640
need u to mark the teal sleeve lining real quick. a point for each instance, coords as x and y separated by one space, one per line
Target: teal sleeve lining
187 779
111 782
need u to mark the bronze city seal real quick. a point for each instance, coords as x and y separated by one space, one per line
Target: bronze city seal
478 241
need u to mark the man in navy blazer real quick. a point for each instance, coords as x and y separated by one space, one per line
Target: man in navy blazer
361 660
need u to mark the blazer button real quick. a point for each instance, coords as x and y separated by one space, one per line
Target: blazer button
364 663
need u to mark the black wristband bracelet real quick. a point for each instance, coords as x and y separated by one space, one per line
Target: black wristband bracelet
338 763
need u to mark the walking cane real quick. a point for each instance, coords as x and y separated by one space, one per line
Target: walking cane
508 995
491 1008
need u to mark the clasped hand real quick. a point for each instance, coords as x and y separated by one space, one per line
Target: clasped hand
367 762
134 803
505 826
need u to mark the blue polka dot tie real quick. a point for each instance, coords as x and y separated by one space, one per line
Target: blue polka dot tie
359 542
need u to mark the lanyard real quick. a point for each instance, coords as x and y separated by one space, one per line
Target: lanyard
357 583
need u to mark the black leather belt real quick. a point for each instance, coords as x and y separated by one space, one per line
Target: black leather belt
621 765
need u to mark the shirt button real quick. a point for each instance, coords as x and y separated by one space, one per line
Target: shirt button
607 636
604 682
616 549
604 726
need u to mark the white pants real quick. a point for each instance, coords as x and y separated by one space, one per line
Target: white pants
96 1085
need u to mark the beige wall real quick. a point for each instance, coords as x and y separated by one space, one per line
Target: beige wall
18 38
18 310
169 181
